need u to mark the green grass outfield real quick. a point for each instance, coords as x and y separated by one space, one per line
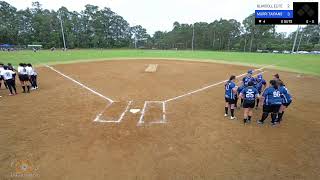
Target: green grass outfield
308 64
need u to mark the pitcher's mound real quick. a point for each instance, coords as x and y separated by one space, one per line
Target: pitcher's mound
151 68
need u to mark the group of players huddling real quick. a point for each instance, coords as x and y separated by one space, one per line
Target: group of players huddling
275 98
27 76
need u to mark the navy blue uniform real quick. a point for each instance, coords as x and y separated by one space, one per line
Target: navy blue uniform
285 95
247 79
249 94
230 96
272 100
259 84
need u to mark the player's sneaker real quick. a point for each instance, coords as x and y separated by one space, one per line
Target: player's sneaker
260 122
232 118
225 115
10 94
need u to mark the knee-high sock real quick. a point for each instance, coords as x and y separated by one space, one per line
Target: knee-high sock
10 88
264 116
226 110
273 117
232 112
14 88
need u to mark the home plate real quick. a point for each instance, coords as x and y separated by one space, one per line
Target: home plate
134 111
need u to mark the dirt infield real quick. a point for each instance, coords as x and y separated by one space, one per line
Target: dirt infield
53 130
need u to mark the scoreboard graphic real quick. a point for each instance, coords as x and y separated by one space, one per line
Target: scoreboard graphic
286 13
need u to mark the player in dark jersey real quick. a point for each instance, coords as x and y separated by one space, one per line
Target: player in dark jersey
260 85
248 78
10 67
286 100
271 102
230 91
249 95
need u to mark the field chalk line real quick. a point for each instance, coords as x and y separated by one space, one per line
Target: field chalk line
98 119
80 84
209 86
162 121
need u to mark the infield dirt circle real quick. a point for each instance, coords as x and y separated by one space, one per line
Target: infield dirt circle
54 130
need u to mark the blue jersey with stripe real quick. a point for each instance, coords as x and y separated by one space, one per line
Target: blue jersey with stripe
272 96
240 89
259 84
286 96
229 86
250 93
247 79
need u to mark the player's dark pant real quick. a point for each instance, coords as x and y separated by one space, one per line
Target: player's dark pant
4 82
273 109
248 104
280 114
11 85
33 80
230 102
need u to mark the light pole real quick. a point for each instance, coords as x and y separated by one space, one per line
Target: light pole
62 31
295 40
192 37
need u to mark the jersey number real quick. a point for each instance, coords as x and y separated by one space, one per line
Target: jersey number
250 94
227 87
276 94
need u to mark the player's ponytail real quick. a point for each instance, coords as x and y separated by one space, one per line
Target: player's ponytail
232 77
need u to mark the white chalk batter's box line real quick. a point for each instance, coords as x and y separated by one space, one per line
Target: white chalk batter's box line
142 113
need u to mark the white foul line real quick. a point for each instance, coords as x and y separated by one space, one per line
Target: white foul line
207 87
164 111
80 84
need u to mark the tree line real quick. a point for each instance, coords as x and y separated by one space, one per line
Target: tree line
102 28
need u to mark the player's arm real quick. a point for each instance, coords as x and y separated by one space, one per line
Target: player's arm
264 94
235 90
257 95
241 95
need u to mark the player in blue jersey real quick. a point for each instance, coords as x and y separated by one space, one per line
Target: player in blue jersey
249 95
230 92
260 85
272 102
248 78
286 100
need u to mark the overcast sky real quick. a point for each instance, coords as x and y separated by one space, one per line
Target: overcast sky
160 14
